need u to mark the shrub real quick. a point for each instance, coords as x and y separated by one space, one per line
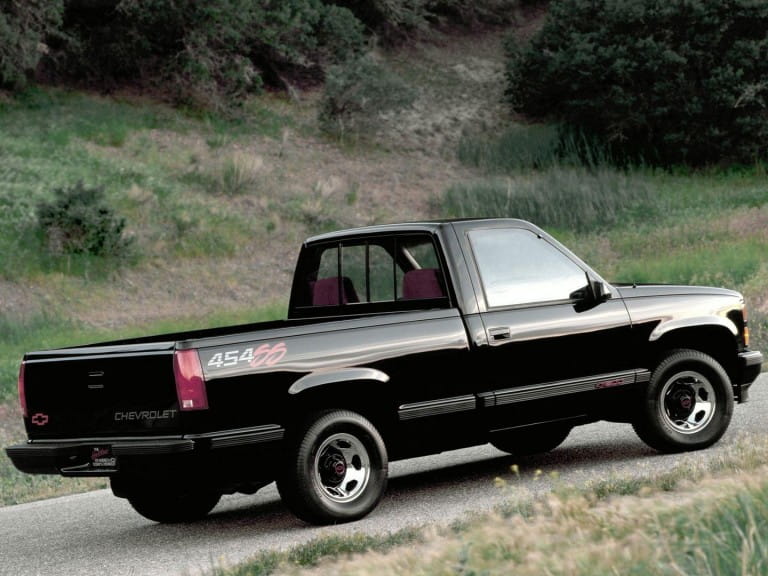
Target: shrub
208 53
78 221
357 92
23 29
672 82
396 19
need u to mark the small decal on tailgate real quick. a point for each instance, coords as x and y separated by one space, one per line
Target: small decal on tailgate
264 355
40 419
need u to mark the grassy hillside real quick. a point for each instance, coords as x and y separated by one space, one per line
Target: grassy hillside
216 208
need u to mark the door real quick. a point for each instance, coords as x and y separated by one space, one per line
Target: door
550 346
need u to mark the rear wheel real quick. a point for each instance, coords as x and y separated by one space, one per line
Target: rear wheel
688 403
336 470
531 440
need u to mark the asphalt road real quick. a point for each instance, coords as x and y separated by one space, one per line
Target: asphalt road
96 533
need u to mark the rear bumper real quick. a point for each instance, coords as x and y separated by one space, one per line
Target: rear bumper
749 367
75 457
103 456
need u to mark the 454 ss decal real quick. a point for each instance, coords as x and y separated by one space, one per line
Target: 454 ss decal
264 355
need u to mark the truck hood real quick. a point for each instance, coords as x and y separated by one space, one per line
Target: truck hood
657 309
659 290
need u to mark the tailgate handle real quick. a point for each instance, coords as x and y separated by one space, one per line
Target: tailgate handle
498 334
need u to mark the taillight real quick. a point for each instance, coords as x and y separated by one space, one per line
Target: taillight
190 383
746 327
22 390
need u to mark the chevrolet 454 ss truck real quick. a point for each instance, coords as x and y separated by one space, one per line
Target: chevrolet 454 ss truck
402 340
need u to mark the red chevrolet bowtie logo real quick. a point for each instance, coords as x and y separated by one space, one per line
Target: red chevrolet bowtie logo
40 419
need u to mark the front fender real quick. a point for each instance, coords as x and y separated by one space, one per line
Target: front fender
699 322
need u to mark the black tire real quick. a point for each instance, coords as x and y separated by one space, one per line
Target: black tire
172 507
335 470
687 405
531 440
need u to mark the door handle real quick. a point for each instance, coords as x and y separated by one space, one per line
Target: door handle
498 334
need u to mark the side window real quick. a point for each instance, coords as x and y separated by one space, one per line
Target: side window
383 272
517 267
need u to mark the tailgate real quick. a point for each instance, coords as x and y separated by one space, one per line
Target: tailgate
101 391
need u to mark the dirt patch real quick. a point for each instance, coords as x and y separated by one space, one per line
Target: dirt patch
21 301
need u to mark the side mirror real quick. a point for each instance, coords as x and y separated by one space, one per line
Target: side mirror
600 292
595 292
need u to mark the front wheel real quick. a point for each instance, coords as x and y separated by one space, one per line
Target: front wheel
336 471
687 405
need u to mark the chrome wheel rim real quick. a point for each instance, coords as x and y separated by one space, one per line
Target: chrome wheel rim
342 468
688 402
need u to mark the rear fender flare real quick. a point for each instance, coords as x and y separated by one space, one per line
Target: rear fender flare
324 378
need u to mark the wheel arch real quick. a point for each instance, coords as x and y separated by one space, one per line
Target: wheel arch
359 390
716 339
341 375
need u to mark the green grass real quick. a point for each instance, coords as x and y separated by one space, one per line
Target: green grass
561 197
161 171
732 539
315 551
726 263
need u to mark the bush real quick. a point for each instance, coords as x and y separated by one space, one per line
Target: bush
671 82
208 53
78 221
357 92
23 29
396 19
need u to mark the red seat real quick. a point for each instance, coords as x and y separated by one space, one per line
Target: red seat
424 283
325 292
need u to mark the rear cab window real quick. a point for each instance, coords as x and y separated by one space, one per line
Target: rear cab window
368 275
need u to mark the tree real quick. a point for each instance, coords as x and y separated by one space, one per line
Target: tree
664 81
24 25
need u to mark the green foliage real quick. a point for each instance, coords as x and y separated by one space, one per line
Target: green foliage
357 92
209 53
23 29
78 221
396 19
669 82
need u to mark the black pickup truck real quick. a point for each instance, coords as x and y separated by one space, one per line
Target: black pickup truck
402 340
